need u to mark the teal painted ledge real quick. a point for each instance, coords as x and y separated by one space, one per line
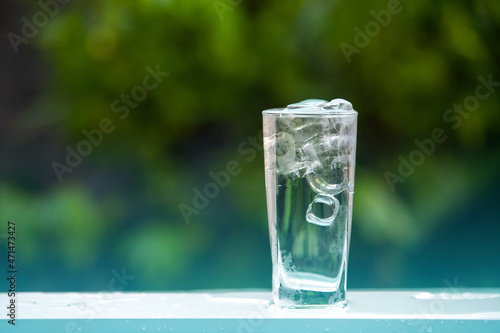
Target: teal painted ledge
474 310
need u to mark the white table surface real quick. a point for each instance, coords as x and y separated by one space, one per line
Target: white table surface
249 311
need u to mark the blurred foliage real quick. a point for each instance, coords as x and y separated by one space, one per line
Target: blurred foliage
120 206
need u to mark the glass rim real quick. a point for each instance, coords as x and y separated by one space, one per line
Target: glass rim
283 112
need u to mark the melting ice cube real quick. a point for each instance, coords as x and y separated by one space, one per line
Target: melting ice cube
325 199
282 146
328 181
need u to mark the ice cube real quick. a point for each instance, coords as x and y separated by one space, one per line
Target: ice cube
308 103
326 180
325 199
282 146
309 157
302 129
340 104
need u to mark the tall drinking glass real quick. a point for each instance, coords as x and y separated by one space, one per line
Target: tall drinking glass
309 154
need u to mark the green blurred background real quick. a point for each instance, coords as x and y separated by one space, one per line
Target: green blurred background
227 61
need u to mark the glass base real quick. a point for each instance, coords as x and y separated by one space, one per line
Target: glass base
307 299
